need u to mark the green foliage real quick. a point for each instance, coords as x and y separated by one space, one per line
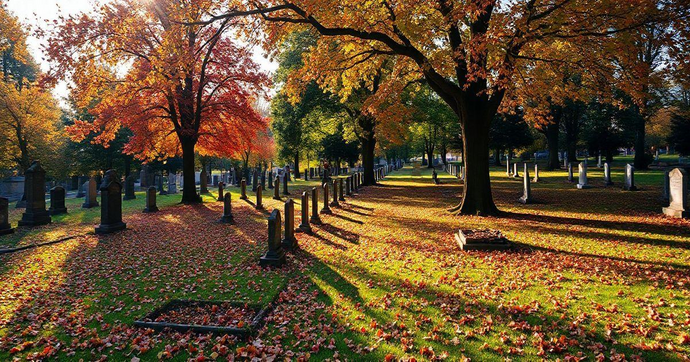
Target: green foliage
510 132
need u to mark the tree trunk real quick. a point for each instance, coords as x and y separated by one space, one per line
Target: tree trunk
497 157
443 149
368 146
552 141
189 195
477 198
640 161
296 172
430 155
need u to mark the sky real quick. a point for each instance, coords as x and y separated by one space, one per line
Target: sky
34 12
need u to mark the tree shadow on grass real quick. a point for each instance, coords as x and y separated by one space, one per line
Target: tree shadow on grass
340 233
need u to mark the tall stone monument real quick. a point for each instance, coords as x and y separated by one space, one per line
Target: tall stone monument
111 204
34 191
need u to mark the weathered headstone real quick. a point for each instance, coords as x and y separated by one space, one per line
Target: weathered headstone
289 241
570 172
80 188
629 184
536 173
515 170
111 204
348 185
275 256
276 188
582 176
57 201
227 209
341 193
286 178
150 200
326 209
129 187
259 198
526 188
304 226
508 170
335 202
91 194
599 165
243 189
679 203
220 192
314 218
5 227
172 183
607 174
34 191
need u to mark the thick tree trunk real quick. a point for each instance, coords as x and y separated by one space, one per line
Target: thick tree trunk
640 148
368 147
296 170
497 157
444 150
477 198
552 142
189 195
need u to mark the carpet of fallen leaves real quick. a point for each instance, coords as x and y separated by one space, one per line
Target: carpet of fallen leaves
597 274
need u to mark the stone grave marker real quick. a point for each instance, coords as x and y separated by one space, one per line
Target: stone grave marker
607 174
57 201
341 194
90 197
220 192
5 227
335 202
151 200
34 191
159 182
243 189
275 256
111 204
348 185
326 209
227 209
80 188
629 184
286 178
536 173
276 188
582 176
172 183
570 172
129 187
289 241
526 188
679 203
304 226
259 198
314 218
515 170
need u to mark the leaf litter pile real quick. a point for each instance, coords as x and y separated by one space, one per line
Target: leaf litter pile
223 315
600 276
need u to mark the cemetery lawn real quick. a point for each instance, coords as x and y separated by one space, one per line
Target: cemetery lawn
597 273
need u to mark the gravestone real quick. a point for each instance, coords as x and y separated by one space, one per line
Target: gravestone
276 188
515 170
5 227
270 179
34 191
243 189
326 209
536 173
599 165
220 192
227 209
570 172
286 178
341 195
348 185
607 174
150 200
304 226
679 203
159 182
129 187
629 184
508 173
582 176
315 219
289 241
57 201
203 181
172 183
142 177
526 189
111 204
81 191
335 202
91 193
275 256
259 198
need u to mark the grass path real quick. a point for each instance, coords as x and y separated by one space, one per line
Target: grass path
598 273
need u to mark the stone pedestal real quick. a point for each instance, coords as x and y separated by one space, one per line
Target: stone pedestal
111 204
57 201
34 191
275 256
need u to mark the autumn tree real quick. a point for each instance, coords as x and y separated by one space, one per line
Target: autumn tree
181 87
470 52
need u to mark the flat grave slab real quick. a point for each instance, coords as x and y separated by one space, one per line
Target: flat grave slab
482 240
207 316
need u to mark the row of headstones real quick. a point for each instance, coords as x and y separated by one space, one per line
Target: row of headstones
275 256
455 170
629 182
36 214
